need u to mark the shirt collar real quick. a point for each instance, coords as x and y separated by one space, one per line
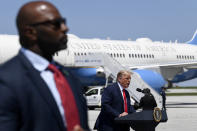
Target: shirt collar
37 61
121 88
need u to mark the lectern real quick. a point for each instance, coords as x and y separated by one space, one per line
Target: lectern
146 120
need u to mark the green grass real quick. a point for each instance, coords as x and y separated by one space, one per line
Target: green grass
189 87
182 94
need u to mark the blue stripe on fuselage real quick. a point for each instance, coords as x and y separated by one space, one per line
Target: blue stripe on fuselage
152 78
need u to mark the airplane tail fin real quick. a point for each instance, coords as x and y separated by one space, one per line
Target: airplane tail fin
194 39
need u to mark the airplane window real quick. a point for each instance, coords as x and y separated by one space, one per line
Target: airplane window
74 53
117 55
187 57
129 55
182 57
152 56
123 55
81 53
111 55
147 55
114 55
90 53
144 56
78 54
84 53
132 55
177 56
120 55
135 55
141 56
138 56
193 57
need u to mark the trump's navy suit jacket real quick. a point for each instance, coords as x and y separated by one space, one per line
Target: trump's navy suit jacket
26 103
112 105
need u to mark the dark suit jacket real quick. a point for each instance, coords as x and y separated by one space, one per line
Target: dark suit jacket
112 104
26 103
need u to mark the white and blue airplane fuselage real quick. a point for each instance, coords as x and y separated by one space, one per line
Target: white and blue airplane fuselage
156 62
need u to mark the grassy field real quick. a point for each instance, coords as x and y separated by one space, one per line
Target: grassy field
188 87
182 93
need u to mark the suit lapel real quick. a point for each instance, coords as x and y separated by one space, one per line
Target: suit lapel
76 88
73 84
42 88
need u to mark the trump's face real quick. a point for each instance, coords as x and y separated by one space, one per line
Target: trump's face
124 80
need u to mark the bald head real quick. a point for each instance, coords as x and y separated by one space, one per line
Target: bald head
41 28
35 12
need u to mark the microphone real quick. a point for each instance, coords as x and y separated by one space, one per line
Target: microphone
139 90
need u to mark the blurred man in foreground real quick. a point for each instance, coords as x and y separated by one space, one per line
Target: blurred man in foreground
36 94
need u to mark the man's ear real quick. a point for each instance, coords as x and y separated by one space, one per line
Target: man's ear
31 33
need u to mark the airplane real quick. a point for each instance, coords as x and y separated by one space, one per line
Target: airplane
158 63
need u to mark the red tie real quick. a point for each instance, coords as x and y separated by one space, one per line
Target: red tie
125 101
67 98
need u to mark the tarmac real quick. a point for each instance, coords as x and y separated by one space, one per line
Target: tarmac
181 111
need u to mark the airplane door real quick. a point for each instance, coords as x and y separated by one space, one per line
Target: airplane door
69 57
65 57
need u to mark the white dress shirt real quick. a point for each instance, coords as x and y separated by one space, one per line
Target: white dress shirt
121 89
41 65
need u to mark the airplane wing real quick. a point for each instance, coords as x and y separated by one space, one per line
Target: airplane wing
170 70
187 65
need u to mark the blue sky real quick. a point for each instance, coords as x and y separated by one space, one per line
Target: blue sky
118 19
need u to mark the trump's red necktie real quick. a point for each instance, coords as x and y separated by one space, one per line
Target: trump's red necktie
125 101
67 98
